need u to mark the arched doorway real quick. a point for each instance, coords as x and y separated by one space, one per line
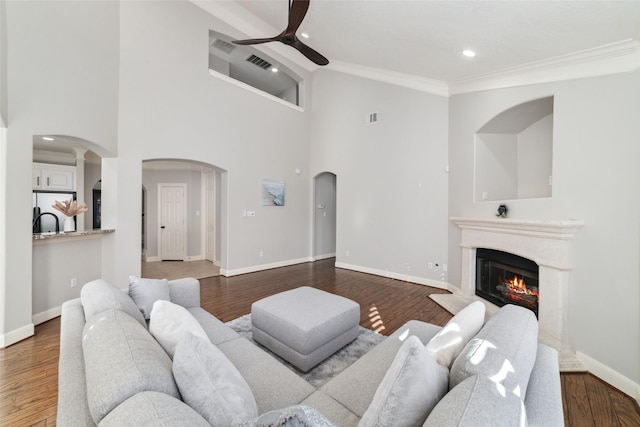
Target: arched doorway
202 234
324 229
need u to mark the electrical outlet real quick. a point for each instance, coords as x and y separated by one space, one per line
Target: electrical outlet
74 282
261 254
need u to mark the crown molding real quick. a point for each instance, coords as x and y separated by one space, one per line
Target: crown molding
435 87
614 58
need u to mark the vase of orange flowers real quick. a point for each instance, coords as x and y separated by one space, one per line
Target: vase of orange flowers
70 208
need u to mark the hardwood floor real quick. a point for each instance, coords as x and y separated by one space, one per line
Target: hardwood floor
29 369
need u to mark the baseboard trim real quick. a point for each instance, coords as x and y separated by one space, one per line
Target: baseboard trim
396 276
325 256
610 376
46 315
262 267
153 259
16 335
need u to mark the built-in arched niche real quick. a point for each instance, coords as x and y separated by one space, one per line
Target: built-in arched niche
514 153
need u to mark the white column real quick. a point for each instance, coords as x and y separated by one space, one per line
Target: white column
80 152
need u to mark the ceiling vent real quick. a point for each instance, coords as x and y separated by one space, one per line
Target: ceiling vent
256 60
371 118
223 46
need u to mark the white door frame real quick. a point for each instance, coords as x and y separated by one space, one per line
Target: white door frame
208 213
184 215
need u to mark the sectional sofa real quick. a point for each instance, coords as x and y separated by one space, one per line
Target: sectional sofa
114 372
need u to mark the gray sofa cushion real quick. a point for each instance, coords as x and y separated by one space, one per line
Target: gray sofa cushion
100 295
355 386
210 383
152 409
478 402
217 331
273 385
185 292
144 292
504 350
72 386
544 393
122 359
412 386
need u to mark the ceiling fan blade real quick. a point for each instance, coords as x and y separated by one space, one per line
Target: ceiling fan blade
311 54
297 12
256 41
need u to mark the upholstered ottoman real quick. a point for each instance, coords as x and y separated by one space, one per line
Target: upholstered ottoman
304 326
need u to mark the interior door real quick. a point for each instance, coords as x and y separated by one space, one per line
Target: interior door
172 222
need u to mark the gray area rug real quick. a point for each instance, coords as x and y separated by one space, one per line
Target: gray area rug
328 368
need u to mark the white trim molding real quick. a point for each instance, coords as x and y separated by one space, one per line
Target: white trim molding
423 84
614 58
611 376
262 267
392 275
16 335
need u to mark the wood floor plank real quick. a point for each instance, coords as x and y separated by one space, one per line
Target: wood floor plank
604 413
578 403
28 369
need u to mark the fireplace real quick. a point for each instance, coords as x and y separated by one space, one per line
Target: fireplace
505 278
547 243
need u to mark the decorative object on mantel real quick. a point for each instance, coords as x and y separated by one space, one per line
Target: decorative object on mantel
70 208
502 211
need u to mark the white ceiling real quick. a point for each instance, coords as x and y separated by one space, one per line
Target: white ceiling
425 38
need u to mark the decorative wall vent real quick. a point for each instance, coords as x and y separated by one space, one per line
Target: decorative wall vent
223 46
372 118
256 60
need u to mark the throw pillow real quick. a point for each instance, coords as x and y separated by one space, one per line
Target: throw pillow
169 321
450 341
412 386
99 295
211 384
478 401
293 416
144 292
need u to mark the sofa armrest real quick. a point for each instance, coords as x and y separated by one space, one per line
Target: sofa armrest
543 401
185 292
73 409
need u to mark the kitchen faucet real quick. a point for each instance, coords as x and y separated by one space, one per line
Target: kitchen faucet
35 221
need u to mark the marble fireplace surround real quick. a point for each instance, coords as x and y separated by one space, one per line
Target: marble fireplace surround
548 244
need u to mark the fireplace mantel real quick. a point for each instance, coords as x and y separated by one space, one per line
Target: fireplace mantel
557 229
547 243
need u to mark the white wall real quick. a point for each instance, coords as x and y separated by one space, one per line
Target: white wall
535 148
172 108
392 184
62 78
595 156
496 166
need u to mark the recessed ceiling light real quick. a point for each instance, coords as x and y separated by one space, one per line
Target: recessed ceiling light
468 53
47 138
305 35
274 69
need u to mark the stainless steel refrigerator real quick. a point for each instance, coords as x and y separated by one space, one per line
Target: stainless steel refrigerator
42 221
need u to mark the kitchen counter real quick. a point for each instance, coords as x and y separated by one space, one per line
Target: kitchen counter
55 237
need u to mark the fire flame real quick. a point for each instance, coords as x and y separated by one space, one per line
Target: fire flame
518 286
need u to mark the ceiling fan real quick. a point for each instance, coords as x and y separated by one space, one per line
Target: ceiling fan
297 11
